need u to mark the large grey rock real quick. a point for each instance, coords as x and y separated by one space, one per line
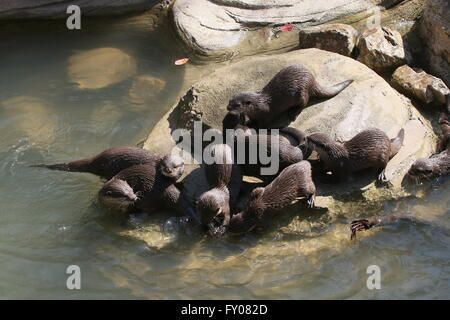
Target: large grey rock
228 27
417 84
55 9
381 49
435 32
339 38
368 102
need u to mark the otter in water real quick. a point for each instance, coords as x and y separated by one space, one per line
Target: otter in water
288 92
293 182
366 224
143 188
111 161
225 178
438 164
368 149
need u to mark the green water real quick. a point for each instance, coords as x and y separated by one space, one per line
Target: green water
50 220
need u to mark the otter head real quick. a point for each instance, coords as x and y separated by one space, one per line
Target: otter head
422 168
172 167
242 101
214 211
233 120
117 194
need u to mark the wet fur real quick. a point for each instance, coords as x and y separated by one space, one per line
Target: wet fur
109 162
438 165
154 190
224 178
369 149
288 91
293 182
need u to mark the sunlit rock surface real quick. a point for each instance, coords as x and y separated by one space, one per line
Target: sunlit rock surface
368 102
229 27
435 31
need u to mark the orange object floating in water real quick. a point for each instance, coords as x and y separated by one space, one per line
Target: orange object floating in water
179 62
286 27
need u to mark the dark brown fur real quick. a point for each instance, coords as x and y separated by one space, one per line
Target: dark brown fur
368 149
289 92
289 152
153 190
224 178
438 164
111 161
293 182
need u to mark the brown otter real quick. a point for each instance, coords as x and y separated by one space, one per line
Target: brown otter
366 224
143 188
294 181
438 164
287 92
249 146
111 161
224 178
368 149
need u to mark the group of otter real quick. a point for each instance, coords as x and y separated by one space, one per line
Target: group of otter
143 181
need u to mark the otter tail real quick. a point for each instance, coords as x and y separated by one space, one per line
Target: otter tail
397 143
321 92
75 166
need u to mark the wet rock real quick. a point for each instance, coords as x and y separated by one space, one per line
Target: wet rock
225 28
55 9
417 84
435 32
368 102
339 38
99 68
146 88
381 49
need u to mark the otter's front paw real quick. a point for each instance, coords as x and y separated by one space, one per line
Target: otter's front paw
358 225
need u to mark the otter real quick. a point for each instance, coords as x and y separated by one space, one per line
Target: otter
366 224
370 148
438 164
294 181
262 144
143 188
287 92
224 178
113 160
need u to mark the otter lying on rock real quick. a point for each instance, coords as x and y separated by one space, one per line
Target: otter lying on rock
143 188
439 164
287 92
111 161
224 178
368 149
293 182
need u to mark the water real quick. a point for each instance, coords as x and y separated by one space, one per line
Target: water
56 104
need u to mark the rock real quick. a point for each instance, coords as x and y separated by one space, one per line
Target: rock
368 102
435 32
56 9
225 28
339 38
99 68
381 49
417 84
146 88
